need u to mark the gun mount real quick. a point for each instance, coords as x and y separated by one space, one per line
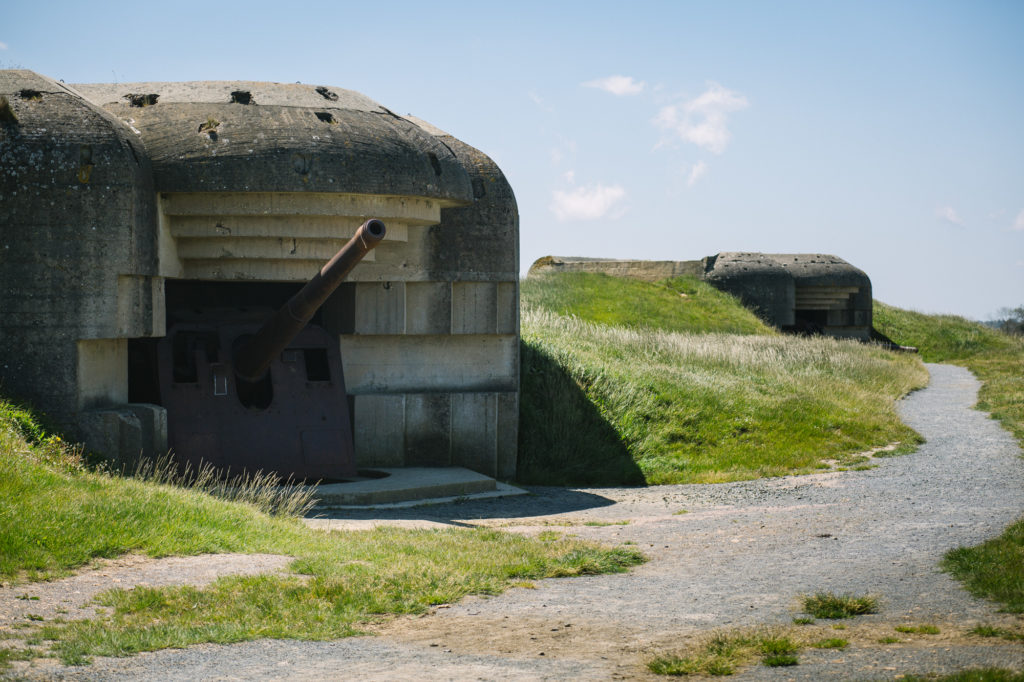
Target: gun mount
246 390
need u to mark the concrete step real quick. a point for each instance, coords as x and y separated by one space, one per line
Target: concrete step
406 484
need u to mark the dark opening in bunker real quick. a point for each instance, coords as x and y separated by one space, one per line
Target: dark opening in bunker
327 94
141 100
196 311
185 344
317 367
810 321
241 97
30 95
326 117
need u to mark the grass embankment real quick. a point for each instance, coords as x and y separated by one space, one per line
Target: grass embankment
994 569
56 515
626 382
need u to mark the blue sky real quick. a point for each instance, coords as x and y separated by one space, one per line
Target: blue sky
890 134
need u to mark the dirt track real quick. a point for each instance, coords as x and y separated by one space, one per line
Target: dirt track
738 557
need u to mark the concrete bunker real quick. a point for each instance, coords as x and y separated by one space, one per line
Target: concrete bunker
127 215
801 293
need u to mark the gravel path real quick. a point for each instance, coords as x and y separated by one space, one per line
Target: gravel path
721 556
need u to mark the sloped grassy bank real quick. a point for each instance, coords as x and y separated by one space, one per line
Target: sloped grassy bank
655 398
56 515
993 569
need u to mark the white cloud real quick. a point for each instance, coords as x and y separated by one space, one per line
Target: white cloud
696 173
702 120
588 203
1018 224
539 101
949 214
617 85
3 46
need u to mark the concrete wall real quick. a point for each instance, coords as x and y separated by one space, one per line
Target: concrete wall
191 182
77 251
647 270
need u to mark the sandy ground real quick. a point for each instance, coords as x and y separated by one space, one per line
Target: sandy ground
721 556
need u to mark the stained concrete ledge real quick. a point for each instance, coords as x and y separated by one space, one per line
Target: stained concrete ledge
409 486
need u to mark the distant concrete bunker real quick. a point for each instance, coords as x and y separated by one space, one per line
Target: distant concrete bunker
797 292
141 220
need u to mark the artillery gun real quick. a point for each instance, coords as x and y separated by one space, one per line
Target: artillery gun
248 391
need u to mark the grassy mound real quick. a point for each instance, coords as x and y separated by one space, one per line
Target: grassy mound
58 515
995 568
680 304
611 397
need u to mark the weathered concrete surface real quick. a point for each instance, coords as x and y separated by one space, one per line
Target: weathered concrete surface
803 292
647 270
77 250
114 195
201 137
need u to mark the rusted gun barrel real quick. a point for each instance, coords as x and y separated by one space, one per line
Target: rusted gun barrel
253 358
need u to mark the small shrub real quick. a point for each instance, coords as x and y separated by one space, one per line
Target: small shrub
723 652
779 660
831 606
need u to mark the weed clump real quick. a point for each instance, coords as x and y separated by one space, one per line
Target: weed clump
265 491
833 607
723 653
831 643
917 629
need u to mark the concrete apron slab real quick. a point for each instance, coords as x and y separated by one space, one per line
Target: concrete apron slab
410 486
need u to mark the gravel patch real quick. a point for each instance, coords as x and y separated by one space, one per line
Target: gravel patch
721 556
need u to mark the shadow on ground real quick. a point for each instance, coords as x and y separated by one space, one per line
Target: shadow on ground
542 501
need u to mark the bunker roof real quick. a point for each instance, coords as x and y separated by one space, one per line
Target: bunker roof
216 136
805 268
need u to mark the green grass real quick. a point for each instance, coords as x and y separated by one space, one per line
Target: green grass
831 643
977 675
723 653
681 304
833 606
58 515
628 404
993 569
917 629
993 631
